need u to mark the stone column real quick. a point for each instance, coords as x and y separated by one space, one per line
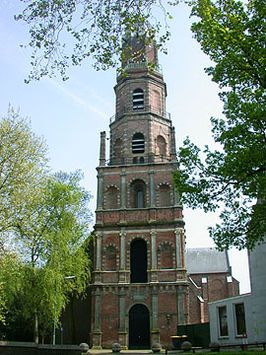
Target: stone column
155 333
96 331
122 319
179 232
102 159
123 189
98 252
173 145
100 192
122 271
180 306
154 260
152 190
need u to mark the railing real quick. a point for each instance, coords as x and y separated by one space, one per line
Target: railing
139 160
146 109
141 65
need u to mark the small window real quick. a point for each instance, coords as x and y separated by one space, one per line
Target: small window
222 313
135 160
138 143
141 160
138 99
240 319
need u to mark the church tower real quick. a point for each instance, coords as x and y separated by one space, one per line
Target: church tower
139 289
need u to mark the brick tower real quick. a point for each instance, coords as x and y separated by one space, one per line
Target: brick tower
139 290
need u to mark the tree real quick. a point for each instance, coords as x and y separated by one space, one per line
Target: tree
233 179
51 238
70 31
232 33
10 267
22 167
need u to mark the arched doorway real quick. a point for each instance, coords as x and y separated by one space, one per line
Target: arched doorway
138 261
139 327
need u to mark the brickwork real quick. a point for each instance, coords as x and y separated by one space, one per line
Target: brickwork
209 287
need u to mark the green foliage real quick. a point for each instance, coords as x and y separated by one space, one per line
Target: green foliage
233 35
10 268
52 236
22 166
69 31
44 231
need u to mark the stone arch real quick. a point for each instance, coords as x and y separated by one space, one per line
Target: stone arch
164 194
111 197
166 255
110 257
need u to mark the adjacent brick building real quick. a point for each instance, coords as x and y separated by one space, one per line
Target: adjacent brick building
210 278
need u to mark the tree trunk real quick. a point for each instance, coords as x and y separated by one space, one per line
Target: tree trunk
36 328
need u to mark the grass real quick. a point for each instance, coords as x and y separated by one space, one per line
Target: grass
234 352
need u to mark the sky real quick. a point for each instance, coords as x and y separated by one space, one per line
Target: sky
70 115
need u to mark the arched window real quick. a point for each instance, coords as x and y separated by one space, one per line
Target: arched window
164 195
111 198
138 261
141 160
138 99
138 194
138 143
135 160
161 145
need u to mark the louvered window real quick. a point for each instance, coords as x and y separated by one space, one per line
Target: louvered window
138 99
138 143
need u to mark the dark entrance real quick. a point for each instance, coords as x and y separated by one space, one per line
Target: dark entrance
138 261
139 327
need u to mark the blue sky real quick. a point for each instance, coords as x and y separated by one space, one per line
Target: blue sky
70 115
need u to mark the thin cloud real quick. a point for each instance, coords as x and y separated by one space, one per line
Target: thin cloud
77 99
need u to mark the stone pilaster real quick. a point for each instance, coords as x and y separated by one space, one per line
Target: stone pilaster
100 192
98 252
181 319
102 159
154 259
122 320
155 332
152 190
123 189
122 271
96 331
179 232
